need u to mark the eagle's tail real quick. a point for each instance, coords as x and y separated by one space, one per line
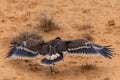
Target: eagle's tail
51 59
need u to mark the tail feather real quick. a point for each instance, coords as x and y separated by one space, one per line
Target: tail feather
48 62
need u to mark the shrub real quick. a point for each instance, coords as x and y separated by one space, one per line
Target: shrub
47 25
87 67
83 27
25 36
88 37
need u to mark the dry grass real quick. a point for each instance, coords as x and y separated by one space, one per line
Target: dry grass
25 36
87 67
87 37
83 27
47 25
107 78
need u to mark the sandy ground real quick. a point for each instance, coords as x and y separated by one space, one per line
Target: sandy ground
23 15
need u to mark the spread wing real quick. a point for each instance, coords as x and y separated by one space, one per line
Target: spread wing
84 47
30 48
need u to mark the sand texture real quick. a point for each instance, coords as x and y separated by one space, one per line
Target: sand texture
23 15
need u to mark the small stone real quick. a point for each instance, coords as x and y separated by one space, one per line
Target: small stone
3 20
111 22
107 78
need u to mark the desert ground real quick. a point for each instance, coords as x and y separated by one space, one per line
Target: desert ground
17 16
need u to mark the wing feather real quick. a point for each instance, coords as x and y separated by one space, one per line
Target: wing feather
28 49
84 47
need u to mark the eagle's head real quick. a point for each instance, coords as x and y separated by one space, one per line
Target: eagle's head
58 38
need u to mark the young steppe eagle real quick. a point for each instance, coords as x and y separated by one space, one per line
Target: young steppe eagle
55 48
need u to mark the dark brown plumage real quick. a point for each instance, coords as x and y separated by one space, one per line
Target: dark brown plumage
55 48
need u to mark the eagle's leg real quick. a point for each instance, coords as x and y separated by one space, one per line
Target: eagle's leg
52 68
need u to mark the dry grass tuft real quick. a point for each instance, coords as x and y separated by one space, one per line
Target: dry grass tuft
87 67
83 27
88 37
107 78
47 25
25 36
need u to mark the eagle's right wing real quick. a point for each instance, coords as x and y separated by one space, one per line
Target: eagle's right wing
30 48
81 46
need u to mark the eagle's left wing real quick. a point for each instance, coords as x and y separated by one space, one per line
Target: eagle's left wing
85 47
29 49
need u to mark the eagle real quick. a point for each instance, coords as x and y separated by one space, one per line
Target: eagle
55 48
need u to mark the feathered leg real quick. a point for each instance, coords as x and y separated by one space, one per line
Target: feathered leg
52 65
52 68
